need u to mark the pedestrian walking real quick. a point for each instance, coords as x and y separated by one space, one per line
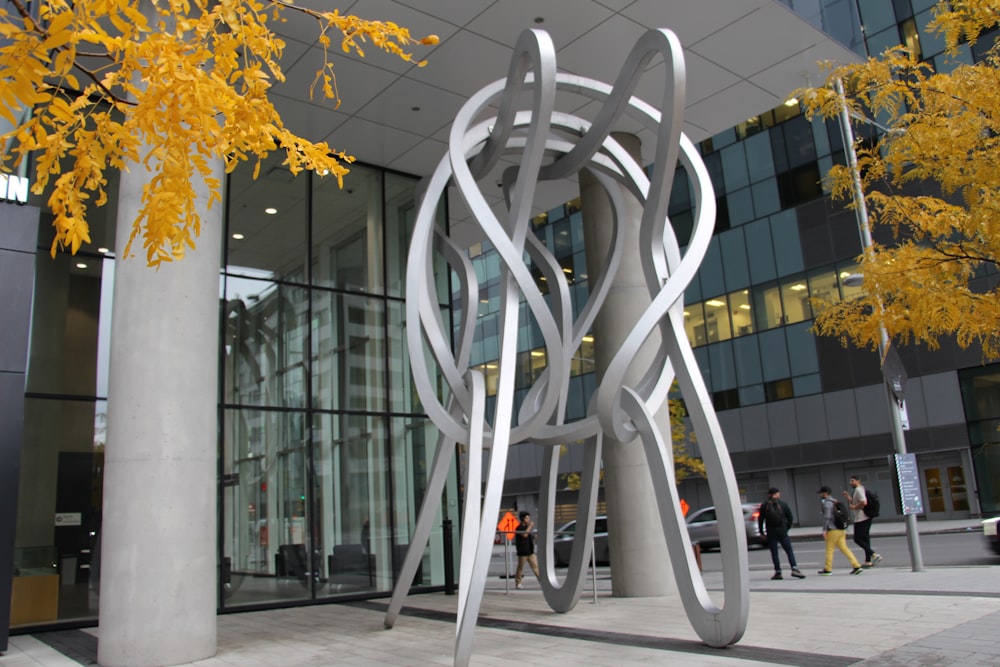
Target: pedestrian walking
858 501
835 532
524 544
774 521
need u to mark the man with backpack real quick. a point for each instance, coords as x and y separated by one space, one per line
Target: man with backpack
835 532
861 503
774 519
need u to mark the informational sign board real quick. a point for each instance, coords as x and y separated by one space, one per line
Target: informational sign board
909 484
69 518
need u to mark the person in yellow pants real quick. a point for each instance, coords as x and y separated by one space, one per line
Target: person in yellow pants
836 538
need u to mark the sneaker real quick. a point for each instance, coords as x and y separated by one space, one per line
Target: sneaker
798 574
777 575
825 573
518 586
867 565
857 570
876 559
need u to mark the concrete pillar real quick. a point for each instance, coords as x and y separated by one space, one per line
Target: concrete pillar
158 536
641 565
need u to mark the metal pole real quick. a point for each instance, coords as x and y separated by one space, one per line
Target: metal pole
593 569
449 558
506 563
861 212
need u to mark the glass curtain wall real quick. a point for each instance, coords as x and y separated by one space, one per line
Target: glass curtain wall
325 447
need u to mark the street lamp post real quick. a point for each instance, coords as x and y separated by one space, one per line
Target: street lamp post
861 212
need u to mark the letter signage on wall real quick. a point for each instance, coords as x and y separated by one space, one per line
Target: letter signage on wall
14 188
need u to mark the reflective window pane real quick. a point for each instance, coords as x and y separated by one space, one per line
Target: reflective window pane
694 324
353 529
717 323
767 307
267 546
348 340
741 313
266 329
795 299
267 217
347 231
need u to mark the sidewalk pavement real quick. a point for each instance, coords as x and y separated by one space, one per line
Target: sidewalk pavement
886 616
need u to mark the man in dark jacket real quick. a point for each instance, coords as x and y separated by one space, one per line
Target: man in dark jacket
774 520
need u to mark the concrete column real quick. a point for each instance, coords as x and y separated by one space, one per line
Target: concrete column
158 542
635 535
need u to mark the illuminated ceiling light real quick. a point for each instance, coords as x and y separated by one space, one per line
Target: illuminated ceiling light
564 233
103 250
81 265
797 287
324 172
567 270
583 276
270 210
588 339
744 306
687 313
484 301
537 353
791 102
844 274
542 278
491 366
238 236
715 303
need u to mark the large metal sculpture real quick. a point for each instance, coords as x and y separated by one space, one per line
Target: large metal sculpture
555 145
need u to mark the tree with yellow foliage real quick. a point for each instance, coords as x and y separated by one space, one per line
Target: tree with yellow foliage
96 80
932 186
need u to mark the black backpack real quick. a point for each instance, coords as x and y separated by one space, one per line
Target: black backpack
774 515
872 507
839 515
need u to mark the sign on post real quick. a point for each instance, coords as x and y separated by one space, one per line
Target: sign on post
508 524
909 484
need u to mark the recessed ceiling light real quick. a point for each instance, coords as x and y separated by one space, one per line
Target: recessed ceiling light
324 172
81 265
715 303
797 287
238 236
791 102
270 210
588 339
567 270
744 306
537 353
103 250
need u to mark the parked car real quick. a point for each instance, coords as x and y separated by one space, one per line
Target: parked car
703 527
991 534
562 542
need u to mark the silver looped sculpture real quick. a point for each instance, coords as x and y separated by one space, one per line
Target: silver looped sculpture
556 145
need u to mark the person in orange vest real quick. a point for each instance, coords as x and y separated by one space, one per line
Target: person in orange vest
684 507
524 544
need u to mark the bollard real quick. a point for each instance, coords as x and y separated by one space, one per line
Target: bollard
449 558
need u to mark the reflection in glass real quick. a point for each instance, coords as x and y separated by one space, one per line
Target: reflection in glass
264 343
266 538
347 231
348 341
844 270
266 227
353 536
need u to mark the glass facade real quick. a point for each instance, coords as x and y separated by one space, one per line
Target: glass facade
324 448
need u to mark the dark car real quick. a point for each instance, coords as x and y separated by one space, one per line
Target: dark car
562 542
703 526
991 534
